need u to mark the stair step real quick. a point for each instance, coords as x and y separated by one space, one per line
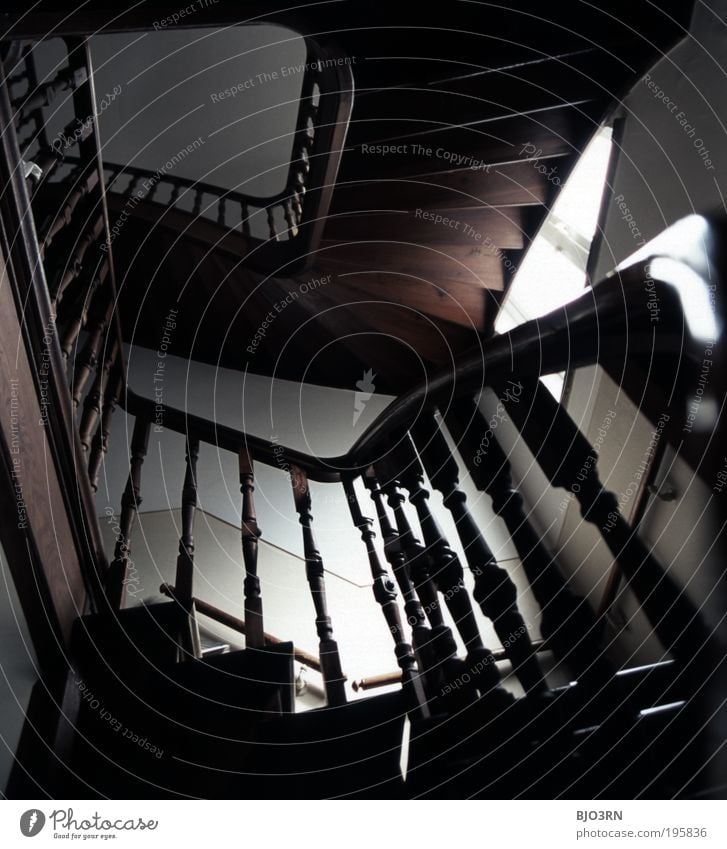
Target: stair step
454 268
540 134
514 184
500 227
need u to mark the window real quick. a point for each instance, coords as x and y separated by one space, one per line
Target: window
553 272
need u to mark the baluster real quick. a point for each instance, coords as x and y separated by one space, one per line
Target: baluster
447 574
93 404
43 95
130 501
385 594
152 190
272 229
100 445
84 184
174 197
197 208
245 217
290 219
569 461
567 622
88 358
80 310
396 558
438 647
184 581
221 204
494 591
254 631
133 183
330 660
75 266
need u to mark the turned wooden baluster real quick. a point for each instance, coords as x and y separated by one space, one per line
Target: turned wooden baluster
100 445
384 591
494 591
446 570
130 501
291 219
567 621
569 461
75 266
436 645
174 197
245 218
184 581
87 359
81 309
93 404
60 220
330 660
197 208
254 630
221 204
44 94
396 558
133 183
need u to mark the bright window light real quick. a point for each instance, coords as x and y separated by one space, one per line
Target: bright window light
553 271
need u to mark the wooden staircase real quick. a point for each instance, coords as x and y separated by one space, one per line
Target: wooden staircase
129 704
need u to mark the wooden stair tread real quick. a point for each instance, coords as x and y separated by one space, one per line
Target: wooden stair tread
497 227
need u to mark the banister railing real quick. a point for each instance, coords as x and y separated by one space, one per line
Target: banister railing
597 326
